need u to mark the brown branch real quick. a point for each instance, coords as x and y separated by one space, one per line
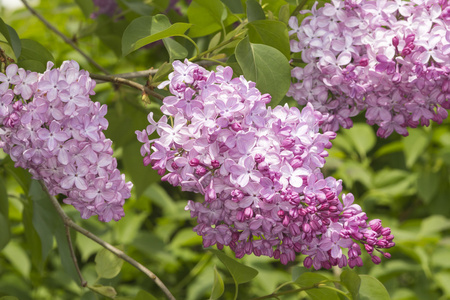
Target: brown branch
123 81
65 38
69 223
72 254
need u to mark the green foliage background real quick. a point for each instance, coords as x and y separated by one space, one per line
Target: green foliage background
403 181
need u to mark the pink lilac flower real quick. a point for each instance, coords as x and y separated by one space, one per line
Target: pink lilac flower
259 170
51 127
370 51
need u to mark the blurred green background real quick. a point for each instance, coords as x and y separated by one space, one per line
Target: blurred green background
405 181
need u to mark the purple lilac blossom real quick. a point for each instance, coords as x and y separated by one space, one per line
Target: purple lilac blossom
259 170
389 58
50 126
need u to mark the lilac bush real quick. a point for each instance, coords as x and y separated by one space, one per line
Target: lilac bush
51 127
259 170
388 58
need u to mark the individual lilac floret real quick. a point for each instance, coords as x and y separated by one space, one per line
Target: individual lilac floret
50 126
259 170
390 58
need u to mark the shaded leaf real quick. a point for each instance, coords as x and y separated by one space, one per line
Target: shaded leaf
235 6
5 233
372 289
428 185
266 66
175 49
139 7
107 264
145 30
240 273
143 295
352 282
414 145
254 11
218 287
34 51
11 37
271 33
86 6
310 279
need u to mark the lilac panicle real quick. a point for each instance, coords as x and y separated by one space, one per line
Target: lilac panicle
50 126
259 170
389 58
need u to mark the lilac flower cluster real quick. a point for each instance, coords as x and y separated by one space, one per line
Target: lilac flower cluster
259 170
51 127
390 58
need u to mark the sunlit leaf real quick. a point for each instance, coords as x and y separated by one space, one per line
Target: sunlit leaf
208 16
218 287
107 264
107 291
372 289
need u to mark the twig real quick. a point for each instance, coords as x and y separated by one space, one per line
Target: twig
69 223
74 258
65 38
123 81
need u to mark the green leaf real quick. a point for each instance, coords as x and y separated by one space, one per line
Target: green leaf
175 49
297 271
362 137
415 145
352 282
284 14
139 8
310 279
107 264
86 6
254 11
18 258
48 224
9 298
240 273
163 72
143 295
33 65
11 37
5 232
266 66
208 16
34 51
107 291
428 185
443 279
145 30
218 287
271 33
433 224
235 6
372 289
